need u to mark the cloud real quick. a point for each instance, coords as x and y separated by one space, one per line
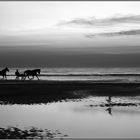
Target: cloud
111 34
104 21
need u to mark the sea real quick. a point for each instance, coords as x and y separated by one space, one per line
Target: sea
72 117
129 74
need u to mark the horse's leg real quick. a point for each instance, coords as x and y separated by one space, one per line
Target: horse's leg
24 77
17 78
37 77
1 78
32 77
28 77
4 77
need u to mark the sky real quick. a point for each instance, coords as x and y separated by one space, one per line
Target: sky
58 33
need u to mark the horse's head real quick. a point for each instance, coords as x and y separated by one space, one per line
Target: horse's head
6 69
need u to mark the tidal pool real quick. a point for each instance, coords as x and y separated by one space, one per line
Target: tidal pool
89 117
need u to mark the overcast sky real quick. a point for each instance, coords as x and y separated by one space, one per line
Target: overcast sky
69 27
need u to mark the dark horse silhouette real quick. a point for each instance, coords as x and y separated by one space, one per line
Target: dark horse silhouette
3 73
32 73
18 75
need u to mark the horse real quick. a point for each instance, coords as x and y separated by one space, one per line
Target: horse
3 73
32 73
18 75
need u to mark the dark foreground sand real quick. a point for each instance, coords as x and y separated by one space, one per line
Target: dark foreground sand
42 87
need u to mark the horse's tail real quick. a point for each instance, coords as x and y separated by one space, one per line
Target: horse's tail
39 70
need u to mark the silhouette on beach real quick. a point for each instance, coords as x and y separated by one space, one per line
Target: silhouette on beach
27 73
3 73
18 75
32 73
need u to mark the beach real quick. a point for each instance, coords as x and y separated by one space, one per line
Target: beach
65 108
64 103
45 87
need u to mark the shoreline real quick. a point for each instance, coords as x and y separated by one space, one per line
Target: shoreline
69 82
42 82
48 87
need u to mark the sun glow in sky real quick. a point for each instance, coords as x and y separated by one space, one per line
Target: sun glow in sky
73 34
25 16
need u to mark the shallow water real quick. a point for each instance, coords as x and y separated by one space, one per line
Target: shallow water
84 74
78 118
73 115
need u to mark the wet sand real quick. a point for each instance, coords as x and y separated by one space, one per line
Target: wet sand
45 87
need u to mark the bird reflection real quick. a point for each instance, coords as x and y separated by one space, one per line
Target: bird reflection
109 109
109 99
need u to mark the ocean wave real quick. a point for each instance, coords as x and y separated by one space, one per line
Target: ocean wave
83 74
